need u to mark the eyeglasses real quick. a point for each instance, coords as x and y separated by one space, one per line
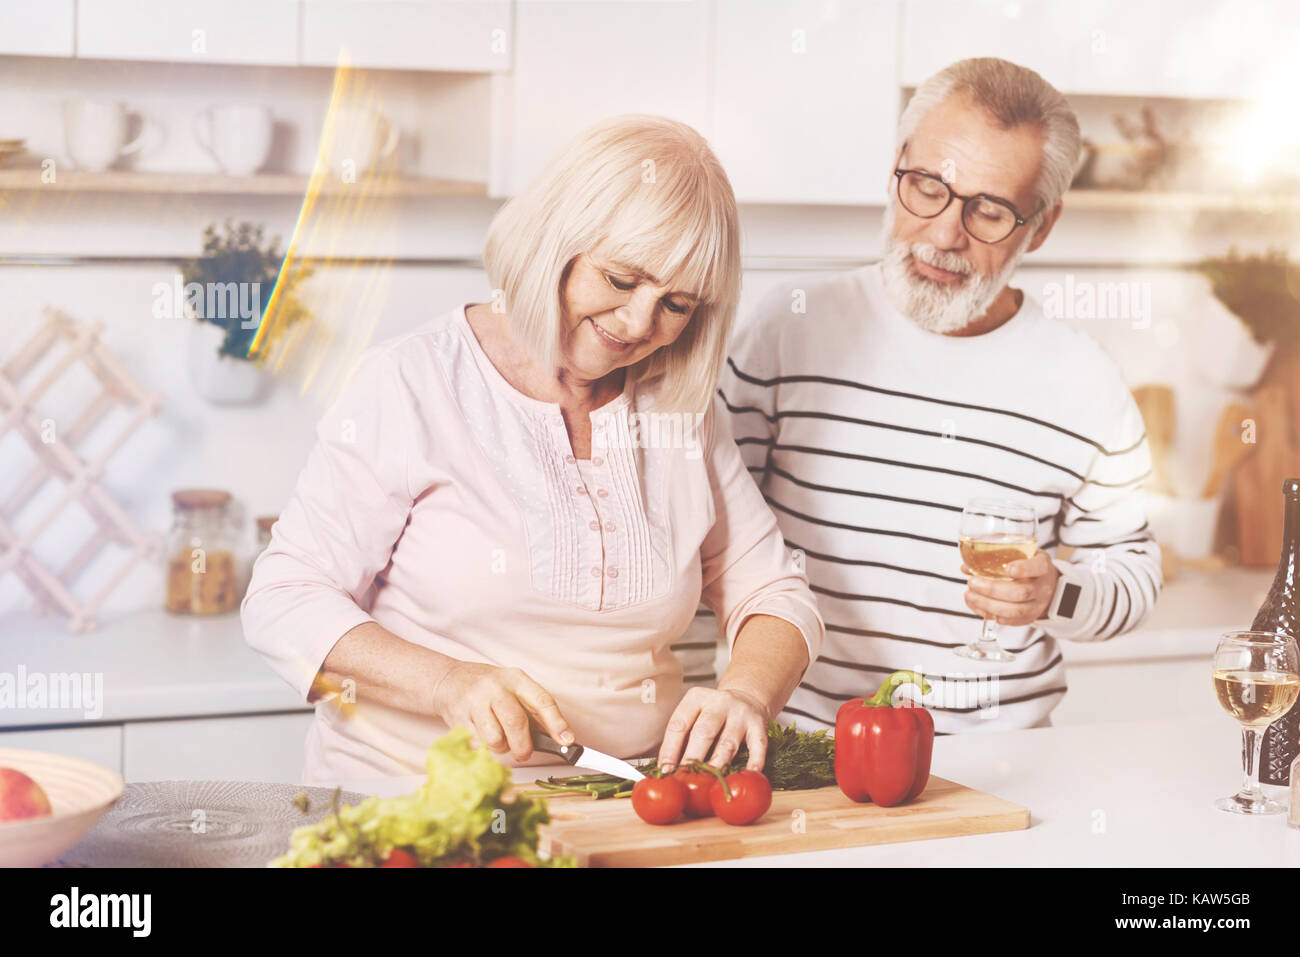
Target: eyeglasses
986 218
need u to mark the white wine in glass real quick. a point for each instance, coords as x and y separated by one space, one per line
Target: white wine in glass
994 534
1257 680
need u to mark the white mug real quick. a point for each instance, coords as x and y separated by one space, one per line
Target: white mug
237 136
360 137
95 133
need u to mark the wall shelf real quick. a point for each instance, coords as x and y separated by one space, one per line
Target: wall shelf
1119 201
269 184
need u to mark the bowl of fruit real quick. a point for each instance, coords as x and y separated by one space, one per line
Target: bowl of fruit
48 802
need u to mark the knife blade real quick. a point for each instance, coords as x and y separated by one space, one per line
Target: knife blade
578 756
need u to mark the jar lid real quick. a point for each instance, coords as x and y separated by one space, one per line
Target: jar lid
200 498
264 522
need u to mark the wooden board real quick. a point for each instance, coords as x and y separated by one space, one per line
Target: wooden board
607 833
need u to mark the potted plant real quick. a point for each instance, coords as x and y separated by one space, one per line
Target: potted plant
228 290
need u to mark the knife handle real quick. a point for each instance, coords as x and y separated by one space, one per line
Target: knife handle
571 753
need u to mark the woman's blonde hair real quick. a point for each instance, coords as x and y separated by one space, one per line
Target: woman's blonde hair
651 190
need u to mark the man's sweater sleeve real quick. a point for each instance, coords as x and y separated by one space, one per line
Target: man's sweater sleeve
1116 561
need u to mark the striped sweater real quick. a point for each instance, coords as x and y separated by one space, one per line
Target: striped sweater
868 435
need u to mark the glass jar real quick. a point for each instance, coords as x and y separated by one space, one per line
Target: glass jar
202 568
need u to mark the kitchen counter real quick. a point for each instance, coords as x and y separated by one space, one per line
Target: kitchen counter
158 665
1104 795
154 665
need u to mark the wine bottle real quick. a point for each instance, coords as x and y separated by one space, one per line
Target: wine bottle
1280 613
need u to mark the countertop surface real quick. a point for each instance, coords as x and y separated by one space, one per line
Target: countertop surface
1105 795
158 665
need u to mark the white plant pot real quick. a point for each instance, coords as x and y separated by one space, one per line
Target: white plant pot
222 380
1226 352
1186 525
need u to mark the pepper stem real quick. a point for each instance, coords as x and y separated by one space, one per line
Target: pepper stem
884 696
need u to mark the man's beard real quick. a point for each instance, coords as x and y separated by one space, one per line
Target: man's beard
935 306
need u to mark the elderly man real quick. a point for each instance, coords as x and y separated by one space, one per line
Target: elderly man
873 407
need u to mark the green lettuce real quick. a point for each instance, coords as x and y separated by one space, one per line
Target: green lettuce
457 815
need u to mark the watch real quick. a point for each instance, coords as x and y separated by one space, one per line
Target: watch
1065 600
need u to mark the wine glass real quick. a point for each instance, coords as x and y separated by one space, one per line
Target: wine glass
994 533
1257 680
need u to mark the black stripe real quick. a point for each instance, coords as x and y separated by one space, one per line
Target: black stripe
1043 546
862 561
826 380
1120 578
831 417
912 465
693 645
1137 537
881 670
805 714
860 494
850 596
1113 605
860 528
708 677
867 633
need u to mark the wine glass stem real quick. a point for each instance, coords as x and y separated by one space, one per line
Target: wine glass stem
1251 743
989 631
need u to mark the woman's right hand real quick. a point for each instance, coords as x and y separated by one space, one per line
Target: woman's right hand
496 704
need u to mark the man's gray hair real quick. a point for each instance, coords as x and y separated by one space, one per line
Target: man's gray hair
1014 96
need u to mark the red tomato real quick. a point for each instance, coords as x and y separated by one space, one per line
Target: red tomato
659 800
698 784
751 796
509 862
400 858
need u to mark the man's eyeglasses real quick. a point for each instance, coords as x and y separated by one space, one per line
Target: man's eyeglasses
986 218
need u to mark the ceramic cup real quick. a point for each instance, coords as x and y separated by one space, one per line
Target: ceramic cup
360 137
236 135
95 132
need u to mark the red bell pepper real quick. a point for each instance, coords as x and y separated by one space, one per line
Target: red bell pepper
882 753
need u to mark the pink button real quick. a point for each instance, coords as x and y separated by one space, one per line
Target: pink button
597 461
613 573
570 459
594 526
595 572
609 526
602 493
580 489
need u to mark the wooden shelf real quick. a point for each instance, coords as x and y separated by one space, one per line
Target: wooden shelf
268 184
1118 201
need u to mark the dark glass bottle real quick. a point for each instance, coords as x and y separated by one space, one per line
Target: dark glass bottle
1281 613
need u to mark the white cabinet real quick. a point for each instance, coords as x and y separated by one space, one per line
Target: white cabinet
471 36
578 62
189 31
1195 49
101 744
252 748
37 29
806 99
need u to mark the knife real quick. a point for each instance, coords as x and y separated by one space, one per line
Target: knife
576 755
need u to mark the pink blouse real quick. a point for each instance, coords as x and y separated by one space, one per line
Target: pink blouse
447 506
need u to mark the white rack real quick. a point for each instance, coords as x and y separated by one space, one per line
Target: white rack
71 341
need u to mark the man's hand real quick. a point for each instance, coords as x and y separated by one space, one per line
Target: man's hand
1021 601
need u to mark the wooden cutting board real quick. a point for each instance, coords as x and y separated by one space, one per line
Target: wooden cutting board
607 833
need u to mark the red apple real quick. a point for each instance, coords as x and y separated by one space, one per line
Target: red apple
21 797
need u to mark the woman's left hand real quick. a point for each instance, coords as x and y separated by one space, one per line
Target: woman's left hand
718 720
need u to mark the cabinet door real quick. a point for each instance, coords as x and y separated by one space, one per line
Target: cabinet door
189 31
806 99
253 748
578 62
100 745
470 36
1045 36
37 29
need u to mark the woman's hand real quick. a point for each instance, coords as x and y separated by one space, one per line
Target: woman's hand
495 704
716 719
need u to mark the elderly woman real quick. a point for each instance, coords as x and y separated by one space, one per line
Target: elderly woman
513 510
